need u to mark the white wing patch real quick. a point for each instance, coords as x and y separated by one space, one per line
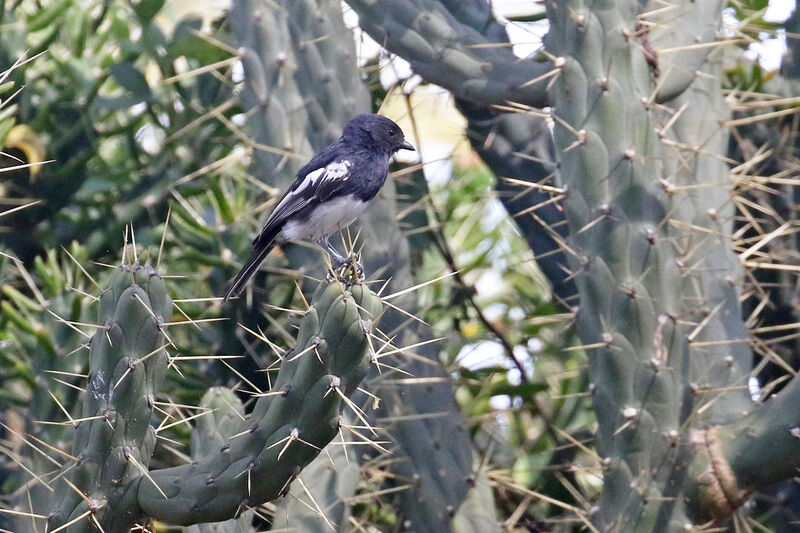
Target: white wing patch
337 170
334 171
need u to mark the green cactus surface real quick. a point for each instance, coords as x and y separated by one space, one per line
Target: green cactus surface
287 428
211 433
114 439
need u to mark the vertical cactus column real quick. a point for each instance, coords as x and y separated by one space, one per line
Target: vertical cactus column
658 312
114 439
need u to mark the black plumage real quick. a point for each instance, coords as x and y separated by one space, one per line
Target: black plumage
330 191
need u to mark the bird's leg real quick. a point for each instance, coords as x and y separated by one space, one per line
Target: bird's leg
338 259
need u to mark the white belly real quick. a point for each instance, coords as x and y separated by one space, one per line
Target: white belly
326 220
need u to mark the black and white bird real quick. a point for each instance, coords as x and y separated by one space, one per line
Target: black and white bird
330 191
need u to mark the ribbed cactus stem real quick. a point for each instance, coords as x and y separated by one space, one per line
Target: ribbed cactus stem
286 428
659 313
224 416
114 440
266 54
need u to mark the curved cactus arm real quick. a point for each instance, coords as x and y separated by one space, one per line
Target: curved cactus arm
211 432
745 456
440 41
285 431
114 440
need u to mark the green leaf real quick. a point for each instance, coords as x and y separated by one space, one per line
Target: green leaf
128 77
523 390
147 9
5 126
44 18
185 42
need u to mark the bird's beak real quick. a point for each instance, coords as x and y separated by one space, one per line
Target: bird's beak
407 146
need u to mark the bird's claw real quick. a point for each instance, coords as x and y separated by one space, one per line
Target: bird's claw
351 263
359 269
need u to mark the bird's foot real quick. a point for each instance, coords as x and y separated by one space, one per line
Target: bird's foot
351 265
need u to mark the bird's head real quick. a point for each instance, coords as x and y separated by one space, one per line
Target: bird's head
379 130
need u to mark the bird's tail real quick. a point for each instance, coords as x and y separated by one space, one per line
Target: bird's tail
261 249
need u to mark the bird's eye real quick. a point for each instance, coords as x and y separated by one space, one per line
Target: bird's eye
392 132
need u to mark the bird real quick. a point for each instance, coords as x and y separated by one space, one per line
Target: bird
330 191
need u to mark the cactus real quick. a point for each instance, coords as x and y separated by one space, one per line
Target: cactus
442 45
209 435
659 310
114 439
284 432
108 482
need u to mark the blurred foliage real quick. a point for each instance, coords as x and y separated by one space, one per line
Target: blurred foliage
106 101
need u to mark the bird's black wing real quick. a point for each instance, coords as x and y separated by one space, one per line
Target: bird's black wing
313 185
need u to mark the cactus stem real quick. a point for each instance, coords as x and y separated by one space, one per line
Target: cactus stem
722 495
131 459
